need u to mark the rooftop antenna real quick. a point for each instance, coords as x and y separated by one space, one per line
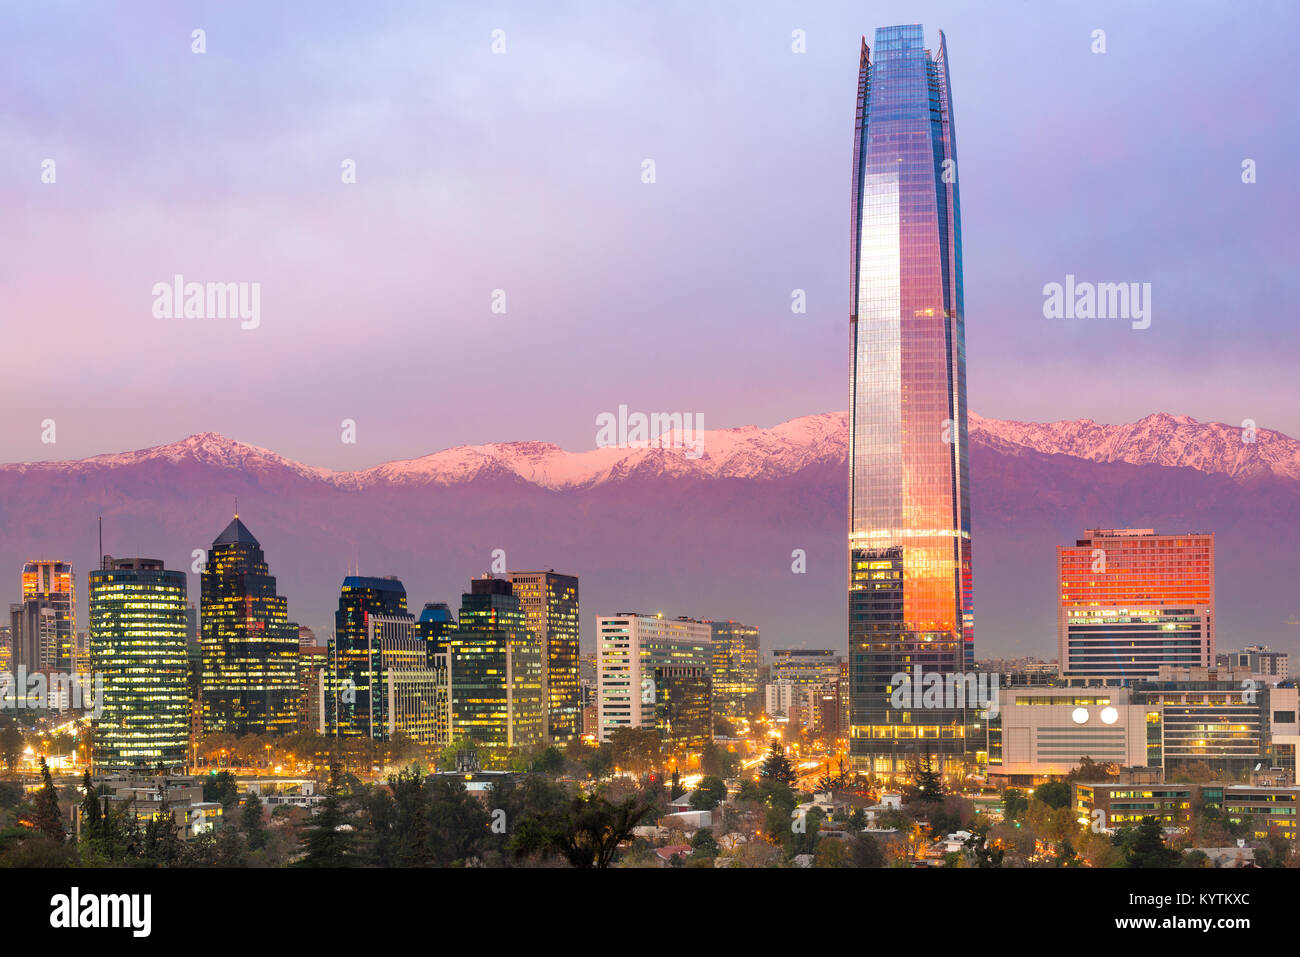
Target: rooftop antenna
101 543
236 506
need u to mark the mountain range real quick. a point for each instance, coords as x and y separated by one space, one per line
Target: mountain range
652 529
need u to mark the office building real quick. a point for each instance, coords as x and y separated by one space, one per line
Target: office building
495 664
629 647
249 646
138 644
683 707
550 605
910 586
1131 601
354 704
735 667
44 623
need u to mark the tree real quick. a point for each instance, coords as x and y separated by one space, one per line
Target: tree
549 761
1144 846
11 746
676 790
1092 772
586 834
717 761
709 793
865 851
776 766
1014 803
458 823
635 749
46 816
222 788
252 823
978 843
329 839
1055 794
926 785
832 853
703 844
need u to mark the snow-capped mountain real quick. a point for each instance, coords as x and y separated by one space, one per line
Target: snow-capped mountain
749 452
656 530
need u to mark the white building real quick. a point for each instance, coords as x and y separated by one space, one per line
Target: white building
629 647
1050 730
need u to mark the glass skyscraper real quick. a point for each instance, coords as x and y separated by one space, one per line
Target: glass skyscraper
549 602
138 619
249 646
910 594
371 611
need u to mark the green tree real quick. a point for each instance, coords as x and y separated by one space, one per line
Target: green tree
252 823
1144 846
926 785
586 834
1014 804
458 824
978 843
709 793
1055 794
46 816
222 788
330 839
776 766
865 851
11 746
703 844
549 761
717 761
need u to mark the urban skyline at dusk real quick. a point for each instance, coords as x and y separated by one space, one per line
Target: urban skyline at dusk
426 447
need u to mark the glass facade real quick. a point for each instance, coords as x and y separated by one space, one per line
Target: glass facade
550 605
683 707
138 633
496 670
354 697
1132 600
735 667
910 591
44 634
249 646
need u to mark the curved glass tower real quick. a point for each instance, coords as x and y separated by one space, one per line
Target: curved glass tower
910 597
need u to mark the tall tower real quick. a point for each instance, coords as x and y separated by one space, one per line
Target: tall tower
910 594
354 703
249 646
549 602
138 644
45 635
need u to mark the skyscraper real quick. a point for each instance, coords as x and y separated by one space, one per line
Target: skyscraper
348 710
45 625
735 667
629 647
1132 600
910 593
496 670
550 605
249 646
138 645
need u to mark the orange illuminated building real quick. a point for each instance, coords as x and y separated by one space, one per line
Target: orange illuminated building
1131 600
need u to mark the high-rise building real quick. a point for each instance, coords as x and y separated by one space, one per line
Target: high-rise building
45 623
910 591
805 666
138 645
354 698
313 661
735 667
1259 660
249 646
629 647
435 625
1131 600
550 605
496 666
683 706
